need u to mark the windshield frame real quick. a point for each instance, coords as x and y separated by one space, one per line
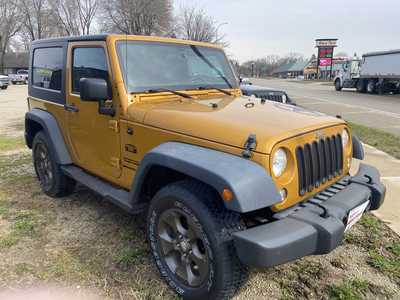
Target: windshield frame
229 84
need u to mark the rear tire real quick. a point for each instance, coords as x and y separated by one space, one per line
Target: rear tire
371 86
52 180
338 87
199 238
361 88
4 87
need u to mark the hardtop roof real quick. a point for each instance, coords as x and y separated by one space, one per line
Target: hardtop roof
103 37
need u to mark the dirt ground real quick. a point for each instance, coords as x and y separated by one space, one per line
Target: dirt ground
91 249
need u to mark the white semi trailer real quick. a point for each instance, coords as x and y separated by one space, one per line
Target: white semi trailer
377 72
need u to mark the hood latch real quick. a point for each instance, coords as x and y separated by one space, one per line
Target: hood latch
249 146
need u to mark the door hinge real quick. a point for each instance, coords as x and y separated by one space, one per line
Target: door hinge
116 162
113 125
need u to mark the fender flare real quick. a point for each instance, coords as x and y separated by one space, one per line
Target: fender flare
50 126
358 149
251 185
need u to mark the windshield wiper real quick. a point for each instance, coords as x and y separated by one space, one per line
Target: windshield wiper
159 90
199 54
214 88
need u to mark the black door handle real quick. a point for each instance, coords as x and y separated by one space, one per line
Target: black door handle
71 107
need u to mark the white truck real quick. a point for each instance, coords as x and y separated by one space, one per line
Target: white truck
20 77
4 82
377 72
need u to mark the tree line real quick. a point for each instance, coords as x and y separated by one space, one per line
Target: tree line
265 66
23 21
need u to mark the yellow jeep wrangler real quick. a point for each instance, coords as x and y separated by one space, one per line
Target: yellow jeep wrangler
228 182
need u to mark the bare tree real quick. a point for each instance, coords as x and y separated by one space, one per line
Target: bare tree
38 19
142 17
194 24
9 26
74 17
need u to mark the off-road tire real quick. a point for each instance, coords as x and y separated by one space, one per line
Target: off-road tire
226 273
338 87
59 185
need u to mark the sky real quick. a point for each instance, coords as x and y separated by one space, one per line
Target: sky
257 28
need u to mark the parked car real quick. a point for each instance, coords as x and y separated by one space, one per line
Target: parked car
20 77
226 182
4 82
266 93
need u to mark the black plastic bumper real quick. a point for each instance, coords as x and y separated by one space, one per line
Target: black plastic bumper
315 227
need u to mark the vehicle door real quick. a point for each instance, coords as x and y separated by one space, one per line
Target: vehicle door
94 137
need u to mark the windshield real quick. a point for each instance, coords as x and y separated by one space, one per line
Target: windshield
149 65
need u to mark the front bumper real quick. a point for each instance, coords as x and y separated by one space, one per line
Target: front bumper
314 227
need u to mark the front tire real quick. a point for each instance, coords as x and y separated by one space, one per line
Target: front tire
189 236
338 87
4 87
52 180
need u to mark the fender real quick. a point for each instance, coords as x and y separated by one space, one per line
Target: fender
52 130
358 149
252 187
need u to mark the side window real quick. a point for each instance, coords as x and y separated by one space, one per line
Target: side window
47 68
88 63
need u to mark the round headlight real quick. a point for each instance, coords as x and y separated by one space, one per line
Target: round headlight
279 162
345 137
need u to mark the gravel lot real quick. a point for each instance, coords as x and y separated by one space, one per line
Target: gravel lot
89 246
13 106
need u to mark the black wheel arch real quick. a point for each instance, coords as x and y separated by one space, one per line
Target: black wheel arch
39 120
215 168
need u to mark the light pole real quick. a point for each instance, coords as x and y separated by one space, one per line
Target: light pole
252 69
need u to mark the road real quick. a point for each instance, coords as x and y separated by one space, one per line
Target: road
382 112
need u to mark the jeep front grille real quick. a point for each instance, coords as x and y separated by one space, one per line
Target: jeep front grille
319 162
272 97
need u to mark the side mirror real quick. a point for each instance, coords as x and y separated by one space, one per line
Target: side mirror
97 89
93 89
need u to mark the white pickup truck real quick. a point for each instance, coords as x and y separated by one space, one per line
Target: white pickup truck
4 82
20 77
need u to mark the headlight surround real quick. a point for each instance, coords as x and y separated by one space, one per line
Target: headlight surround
345 138
279 162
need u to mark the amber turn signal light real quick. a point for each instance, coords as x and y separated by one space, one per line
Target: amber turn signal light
227 194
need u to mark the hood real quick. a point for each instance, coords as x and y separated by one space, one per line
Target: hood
230 120
256 88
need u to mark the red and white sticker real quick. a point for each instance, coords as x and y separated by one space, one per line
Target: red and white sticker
355 215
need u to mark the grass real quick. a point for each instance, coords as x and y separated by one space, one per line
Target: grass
8 143
379 139
387 264
8 241
353 289
128 255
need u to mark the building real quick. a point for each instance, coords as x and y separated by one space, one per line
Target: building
14 61
290 70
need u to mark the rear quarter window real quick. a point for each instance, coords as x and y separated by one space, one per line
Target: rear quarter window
47 68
